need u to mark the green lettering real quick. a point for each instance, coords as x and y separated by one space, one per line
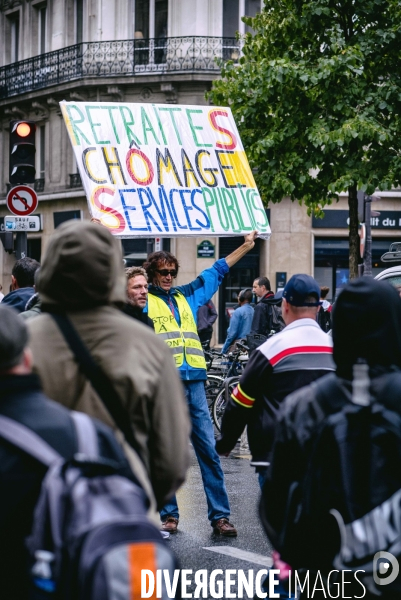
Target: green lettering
209 202
231 209
159 124
93 125
195 127
171 113
74 124
147 126
127 124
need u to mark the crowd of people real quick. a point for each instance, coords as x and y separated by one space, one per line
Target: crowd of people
144 340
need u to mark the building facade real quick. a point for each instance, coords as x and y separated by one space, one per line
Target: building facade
157 51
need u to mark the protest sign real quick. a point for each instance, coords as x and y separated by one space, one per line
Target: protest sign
164 170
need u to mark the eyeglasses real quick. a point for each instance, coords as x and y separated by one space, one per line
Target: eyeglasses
165 272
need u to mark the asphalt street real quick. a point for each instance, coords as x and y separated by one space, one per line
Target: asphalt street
195 544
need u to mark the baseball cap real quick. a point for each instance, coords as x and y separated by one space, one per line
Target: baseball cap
299 287
13 337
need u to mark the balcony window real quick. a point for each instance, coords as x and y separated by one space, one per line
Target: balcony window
14 39
79 21
42 30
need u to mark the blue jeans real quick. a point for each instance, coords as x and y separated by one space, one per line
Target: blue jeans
202 437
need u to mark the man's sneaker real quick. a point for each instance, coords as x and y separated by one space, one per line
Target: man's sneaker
224 527
170 525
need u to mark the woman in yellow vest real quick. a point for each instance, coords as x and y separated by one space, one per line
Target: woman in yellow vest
173 311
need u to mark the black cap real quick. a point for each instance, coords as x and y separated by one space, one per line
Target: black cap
13 338
299 288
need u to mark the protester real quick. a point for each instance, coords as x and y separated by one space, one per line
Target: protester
207 315
240 322
267 318
324 313
22 283
22 400
358 477
173 310
298 355
137 295
82 276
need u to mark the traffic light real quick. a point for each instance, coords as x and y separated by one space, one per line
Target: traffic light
22 151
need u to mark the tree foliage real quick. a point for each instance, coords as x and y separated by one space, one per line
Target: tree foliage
317 99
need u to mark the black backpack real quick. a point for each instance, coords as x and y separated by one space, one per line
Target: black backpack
274 324
348 508
91 537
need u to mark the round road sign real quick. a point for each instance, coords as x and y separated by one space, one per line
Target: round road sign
22 200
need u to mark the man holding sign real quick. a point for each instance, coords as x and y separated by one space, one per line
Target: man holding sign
173 311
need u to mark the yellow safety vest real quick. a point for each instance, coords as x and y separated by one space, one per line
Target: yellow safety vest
182 339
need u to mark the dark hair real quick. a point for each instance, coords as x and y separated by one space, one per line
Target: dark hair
24 271
264 281
155 260
324 291
245 295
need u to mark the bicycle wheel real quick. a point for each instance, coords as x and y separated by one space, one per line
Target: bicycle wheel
219 403
213 385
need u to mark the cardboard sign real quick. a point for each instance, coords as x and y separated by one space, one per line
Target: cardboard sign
164 170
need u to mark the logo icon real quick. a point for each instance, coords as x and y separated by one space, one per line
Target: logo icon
385 568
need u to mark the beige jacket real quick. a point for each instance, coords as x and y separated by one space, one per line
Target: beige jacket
82 273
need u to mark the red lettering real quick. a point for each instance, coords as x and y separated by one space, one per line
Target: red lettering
108 209
212 118
148 166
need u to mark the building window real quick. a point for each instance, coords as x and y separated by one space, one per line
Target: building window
34 248
252 7
230 18
79 21
42 29
151 19
66 215
141 19
14 38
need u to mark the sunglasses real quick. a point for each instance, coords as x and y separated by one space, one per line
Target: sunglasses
165 272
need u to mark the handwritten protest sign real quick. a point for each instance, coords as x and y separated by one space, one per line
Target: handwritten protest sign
164 170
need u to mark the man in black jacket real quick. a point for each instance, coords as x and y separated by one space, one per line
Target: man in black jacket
288 361
21 475
367 353
267 316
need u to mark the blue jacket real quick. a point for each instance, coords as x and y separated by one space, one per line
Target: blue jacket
17 299
196 294
240 325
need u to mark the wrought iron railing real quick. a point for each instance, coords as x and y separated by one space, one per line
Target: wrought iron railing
75 180
116 59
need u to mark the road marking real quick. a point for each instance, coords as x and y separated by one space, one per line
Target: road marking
257 559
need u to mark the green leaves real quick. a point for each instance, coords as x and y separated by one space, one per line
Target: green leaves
318 88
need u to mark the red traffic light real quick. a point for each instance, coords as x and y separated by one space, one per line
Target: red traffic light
23 129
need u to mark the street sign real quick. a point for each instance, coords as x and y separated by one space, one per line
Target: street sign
12 223
205 249
22 200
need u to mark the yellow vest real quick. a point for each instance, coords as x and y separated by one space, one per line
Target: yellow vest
182 339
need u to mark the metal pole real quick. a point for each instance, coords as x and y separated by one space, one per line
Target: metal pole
367 271
21 245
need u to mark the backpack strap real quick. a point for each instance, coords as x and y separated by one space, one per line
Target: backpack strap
98 378
27 440
86 434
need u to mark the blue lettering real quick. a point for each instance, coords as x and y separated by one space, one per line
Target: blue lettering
128 208
207 224
187 209
173 209
143 197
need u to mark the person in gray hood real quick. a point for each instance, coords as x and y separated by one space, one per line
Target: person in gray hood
82 276
336 461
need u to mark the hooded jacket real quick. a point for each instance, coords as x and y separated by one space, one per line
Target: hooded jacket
82 275
18 298
262 316
366 327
